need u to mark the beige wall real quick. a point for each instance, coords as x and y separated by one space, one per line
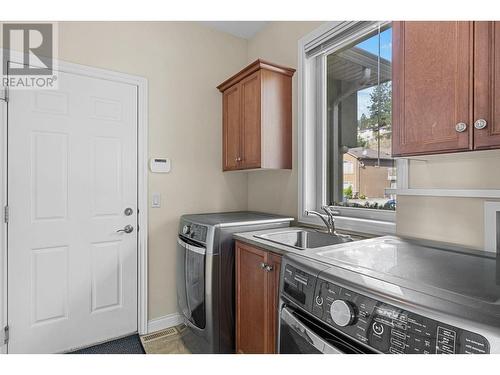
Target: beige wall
455 220
276 191
446 219
183 63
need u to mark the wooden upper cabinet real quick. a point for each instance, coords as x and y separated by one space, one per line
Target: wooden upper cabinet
445 75
432 78
257 117
486 85
231 127
250 121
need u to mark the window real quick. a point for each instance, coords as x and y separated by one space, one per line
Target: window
348 167
345 119
358 105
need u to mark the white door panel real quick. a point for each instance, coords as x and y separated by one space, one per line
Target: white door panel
72 172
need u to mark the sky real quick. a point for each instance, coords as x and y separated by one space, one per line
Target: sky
371 45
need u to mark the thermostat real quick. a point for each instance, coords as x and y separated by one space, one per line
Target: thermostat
159 165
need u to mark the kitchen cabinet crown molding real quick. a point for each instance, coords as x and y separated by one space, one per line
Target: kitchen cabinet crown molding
252 68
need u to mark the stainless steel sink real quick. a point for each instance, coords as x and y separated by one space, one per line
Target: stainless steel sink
304 239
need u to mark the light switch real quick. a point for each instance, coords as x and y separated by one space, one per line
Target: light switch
156 200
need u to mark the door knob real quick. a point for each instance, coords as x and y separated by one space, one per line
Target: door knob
480 124
128 211
461 127
127 229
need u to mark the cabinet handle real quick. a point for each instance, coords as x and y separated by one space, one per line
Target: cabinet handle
480 124
238 158
266 267
461 127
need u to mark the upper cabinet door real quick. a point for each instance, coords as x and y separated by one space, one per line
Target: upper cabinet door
231 128
486 85
251 121
432 87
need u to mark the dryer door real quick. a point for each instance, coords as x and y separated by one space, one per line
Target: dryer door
191 281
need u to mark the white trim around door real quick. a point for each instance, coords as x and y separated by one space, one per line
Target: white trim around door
142 188
3 230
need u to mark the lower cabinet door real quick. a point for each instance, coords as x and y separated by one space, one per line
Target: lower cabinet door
257 285
273 286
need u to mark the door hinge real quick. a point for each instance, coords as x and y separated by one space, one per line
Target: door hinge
6 335
5 94
6 214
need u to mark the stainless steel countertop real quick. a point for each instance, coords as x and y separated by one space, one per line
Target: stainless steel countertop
249 237
453 273
474 276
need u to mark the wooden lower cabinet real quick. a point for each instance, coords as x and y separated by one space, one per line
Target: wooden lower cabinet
257 289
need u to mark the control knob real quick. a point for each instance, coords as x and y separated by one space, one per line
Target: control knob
342 313
186 229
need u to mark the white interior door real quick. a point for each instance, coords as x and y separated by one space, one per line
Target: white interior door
72 172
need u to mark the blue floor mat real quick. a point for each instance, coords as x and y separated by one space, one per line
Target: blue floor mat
126 345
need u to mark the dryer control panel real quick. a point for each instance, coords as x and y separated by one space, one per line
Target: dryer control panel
390 329
386 328
193 231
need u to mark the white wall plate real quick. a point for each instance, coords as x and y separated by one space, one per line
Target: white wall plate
160 165
491 225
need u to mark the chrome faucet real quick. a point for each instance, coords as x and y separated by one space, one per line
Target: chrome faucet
330 222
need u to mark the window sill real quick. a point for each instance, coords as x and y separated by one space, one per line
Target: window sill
357 225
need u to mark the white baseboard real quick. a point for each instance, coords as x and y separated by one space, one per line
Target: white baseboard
164 322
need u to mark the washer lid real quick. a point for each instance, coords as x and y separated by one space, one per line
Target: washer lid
437 271
235 218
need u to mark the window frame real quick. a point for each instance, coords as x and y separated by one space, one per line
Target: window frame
312 147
